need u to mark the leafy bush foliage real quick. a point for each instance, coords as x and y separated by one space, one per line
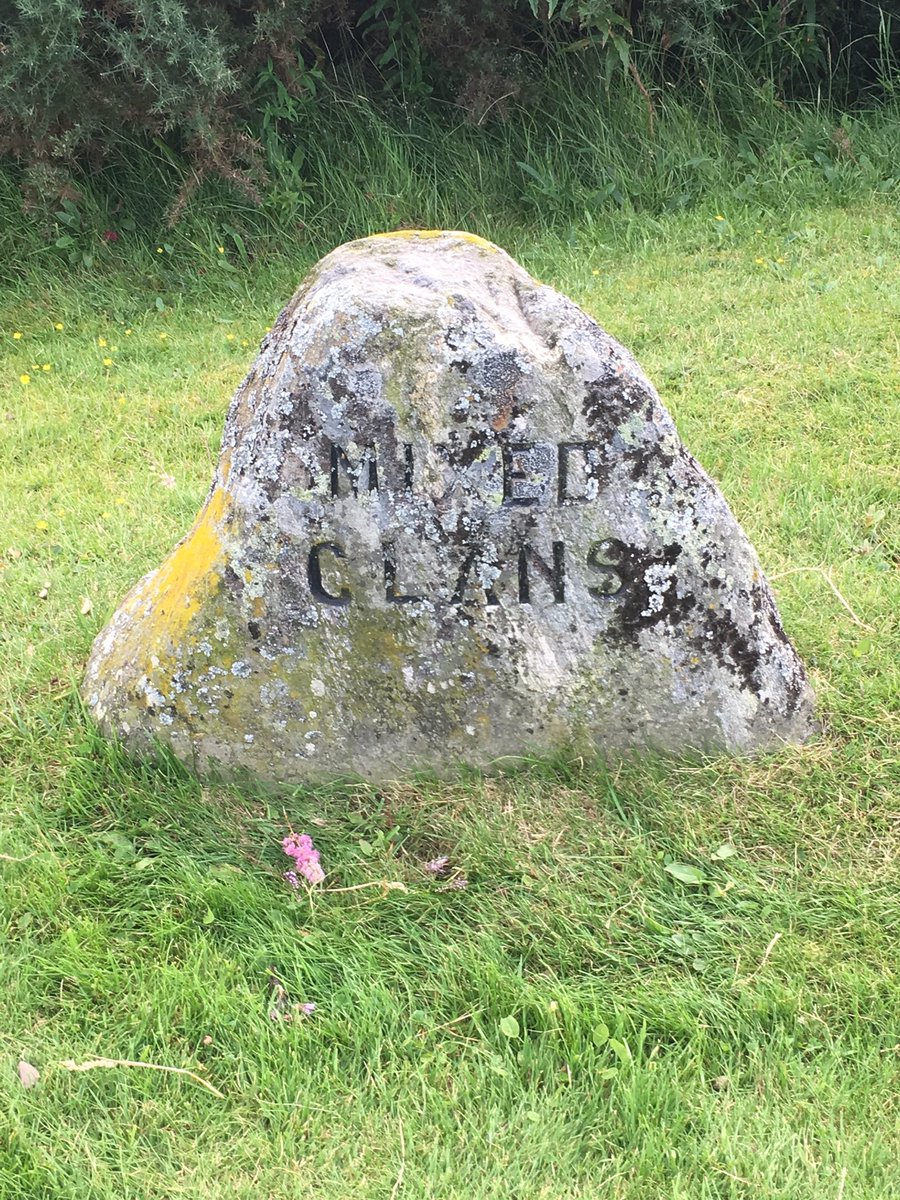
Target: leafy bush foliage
226 86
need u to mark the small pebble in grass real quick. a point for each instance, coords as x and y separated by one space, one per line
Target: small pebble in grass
437 866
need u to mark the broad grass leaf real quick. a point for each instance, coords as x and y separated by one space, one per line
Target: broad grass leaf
509 1027
121 846
685 873
620 1049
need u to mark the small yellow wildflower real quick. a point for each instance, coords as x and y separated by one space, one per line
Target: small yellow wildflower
779 260
163 336
120 499
121 399
24 380
60 512
244 342
104 516
595 271
101 341
107 362
220 249
17 337
129 332
47 367
268 329
59 327
42 524
229 337
719 217
760 261
159 249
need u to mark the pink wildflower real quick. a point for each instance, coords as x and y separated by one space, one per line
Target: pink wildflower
110 235
308 1009
437 866
299 847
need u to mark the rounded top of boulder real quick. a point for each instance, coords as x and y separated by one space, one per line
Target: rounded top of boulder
450 522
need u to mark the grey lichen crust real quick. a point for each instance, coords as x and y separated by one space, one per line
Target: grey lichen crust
451 523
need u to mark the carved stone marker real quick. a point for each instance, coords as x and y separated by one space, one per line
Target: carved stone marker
451 523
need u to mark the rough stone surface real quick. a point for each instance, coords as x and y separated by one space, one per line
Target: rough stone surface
451 522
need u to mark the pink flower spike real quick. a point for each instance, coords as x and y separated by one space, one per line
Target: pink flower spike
110 235
299 847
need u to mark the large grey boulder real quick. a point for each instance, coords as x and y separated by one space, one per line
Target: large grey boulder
451 523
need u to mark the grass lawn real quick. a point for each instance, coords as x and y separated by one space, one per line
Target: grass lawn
576 1022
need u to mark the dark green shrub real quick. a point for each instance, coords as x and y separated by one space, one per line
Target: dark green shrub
228 86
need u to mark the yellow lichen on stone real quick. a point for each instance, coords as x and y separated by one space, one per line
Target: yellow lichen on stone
472 238
189 575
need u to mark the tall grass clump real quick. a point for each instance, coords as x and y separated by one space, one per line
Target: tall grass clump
574 152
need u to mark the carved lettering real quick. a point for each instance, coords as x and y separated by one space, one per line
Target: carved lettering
314 575
366 465
527 472
606 558
577 472
463 578
532 473
555 575
390 581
